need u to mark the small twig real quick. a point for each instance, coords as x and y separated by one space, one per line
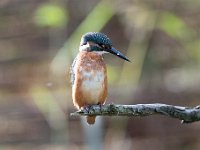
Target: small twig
186 114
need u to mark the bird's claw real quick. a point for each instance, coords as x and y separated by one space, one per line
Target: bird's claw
100 106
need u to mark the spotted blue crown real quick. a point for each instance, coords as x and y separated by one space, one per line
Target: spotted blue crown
96 37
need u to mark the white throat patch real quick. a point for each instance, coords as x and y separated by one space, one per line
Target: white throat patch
84 47
100 52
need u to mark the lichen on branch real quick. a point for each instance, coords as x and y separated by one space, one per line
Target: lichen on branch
186 114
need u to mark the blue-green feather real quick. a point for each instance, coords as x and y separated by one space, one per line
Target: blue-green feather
96 37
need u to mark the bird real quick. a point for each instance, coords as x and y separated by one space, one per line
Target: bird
88 71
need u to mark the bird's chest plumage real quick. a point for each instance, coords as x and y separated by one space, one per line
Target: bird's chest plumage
90 83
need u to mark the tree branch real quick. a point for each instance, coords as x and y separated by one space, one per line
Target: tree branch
186 114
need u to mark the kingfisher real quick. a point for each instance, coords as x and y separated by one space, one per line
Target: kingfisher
88 71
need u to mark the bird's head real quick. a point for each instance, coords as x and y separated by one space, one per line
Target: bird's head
100 43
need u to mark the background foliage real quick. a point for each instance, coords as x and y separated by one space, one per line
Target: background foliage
40 38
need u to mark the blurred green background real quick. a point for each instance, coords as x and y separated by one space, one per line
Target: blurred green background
39 40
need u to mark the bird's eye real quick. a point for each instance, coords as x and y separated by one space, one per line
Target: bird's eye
84 43
103 46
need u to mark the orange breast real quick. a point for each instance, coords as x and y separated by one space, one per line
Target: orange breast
90 84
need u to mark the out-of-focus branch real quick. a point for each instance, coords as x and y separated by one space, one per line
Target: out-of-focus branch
186 114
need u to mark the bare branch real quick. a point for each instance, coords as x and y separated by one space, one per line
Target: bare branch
186 114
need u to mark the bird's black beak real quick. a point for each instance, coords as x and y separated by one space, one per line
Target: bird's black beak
117 53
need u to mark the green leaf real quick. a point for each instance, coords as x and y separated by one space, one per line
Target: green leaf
173 25
51 15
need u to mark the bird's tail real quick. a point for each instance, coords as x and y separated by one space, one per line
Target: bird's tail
91 119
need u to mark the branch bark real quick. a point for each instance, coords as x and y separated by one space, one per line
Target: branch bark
186 114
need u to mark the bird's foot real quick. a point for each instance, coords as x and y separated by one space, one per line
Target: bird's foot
90 108
87 108
100 105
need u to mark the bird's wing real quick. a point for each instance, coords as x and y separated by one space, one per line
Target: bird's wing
72 74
